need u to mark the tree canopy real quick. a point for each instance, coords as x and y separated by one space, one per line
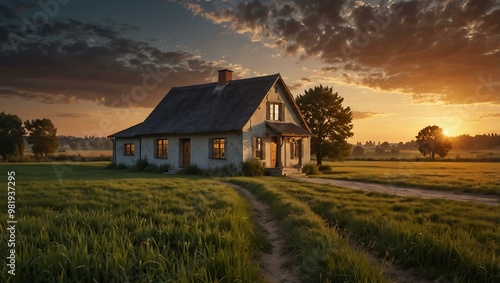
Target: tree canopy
431 141
328 120
11 135
43 136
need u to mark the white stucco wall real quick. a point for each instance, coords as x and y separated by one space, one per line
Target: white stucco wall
256 127
200 150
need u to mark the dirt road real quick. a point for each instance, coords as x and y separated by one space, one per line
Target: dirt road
405 191
274 265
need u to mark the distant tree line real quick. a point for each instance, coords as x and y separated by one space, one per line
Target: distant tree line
40 133
85 143
467 142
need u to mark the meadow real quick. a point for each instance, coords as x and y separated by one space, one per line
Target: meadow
93 224
81 222
470 177
337 229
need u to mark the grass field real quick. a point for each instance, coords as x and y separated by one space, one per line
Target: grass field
471 177
100 225
80 222
437 239
454 154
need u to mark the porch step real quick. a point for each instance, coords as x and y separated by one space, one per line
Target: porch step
287 171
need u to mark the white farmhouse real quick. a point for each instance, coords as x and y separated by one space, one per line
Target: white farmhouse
213 124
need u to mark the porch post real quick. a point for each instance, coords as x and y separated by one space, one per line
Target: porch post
278 153
300 152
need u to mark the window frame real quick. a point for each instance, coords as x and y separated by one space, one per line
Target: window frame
218 148
258 148
163 146
275 111
129 149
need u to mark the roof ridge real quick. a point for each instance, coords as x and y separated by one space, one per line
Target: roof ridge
231 81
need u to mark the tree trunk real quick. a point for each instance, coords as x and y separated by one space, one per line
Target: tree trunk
433 153
319 158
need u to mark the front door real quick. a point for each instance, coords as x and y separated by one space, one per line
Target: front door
274 144
186 153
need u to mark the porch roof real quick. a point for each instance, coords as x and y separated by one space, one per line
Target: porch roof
288 129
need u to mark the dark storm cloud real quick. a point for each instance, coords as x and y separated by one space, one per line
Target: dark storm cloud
444 51
66 60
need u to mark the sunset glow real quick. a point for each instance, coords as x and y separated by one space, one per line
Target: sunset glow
97 67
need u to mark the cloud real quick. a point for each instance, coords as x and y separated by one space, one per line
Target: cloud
67 60
72 115
490 115
443 51
358 115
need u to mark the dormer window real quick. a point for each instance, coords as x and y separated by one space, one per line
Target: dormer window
275 111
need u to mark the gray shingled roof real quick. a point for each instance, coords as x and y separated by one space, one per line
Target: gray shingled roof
204 108
287 129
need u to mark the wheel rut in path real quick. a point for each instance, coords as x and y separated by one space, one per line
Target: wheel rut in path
275 267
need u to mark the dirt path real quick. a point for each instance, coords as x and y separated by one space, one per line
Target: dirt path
405 191
273 266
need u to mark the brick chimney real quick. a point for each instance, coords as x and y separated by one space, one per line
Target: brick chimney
225 76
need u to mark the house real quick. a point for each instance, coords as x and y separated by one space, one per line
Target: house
213 124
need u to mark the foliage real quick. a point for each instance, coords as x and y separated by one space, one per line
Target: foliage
130 230
140 165
253 168
325 168
379 150
43 136
227 170
431 141
329 121
358 151
11 135
191 170
310 169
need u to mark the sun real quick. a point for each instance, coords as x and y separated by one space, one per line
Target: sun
445 132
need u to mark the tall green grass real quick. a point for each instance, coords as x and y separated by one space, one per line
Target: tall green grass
438 239
131 230
470 177
320 252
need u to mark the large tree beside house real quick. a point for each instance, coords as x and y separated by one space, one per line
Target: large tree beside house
329 121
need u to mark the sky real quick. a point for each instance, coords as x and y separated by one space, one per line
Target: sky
97 67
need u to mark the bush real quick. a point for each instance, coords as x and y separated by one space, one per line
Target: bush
358 151
310 169
191 170
325 168
228 170
162 168
140 165
253 168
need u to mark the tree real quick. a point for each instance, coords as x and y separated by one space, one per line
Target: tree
11 135
358 151
431 141
43 136
328 120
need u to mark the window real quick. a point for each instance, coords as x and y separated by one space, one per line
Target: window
275 112
162 148
129 149
219 148
258 148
